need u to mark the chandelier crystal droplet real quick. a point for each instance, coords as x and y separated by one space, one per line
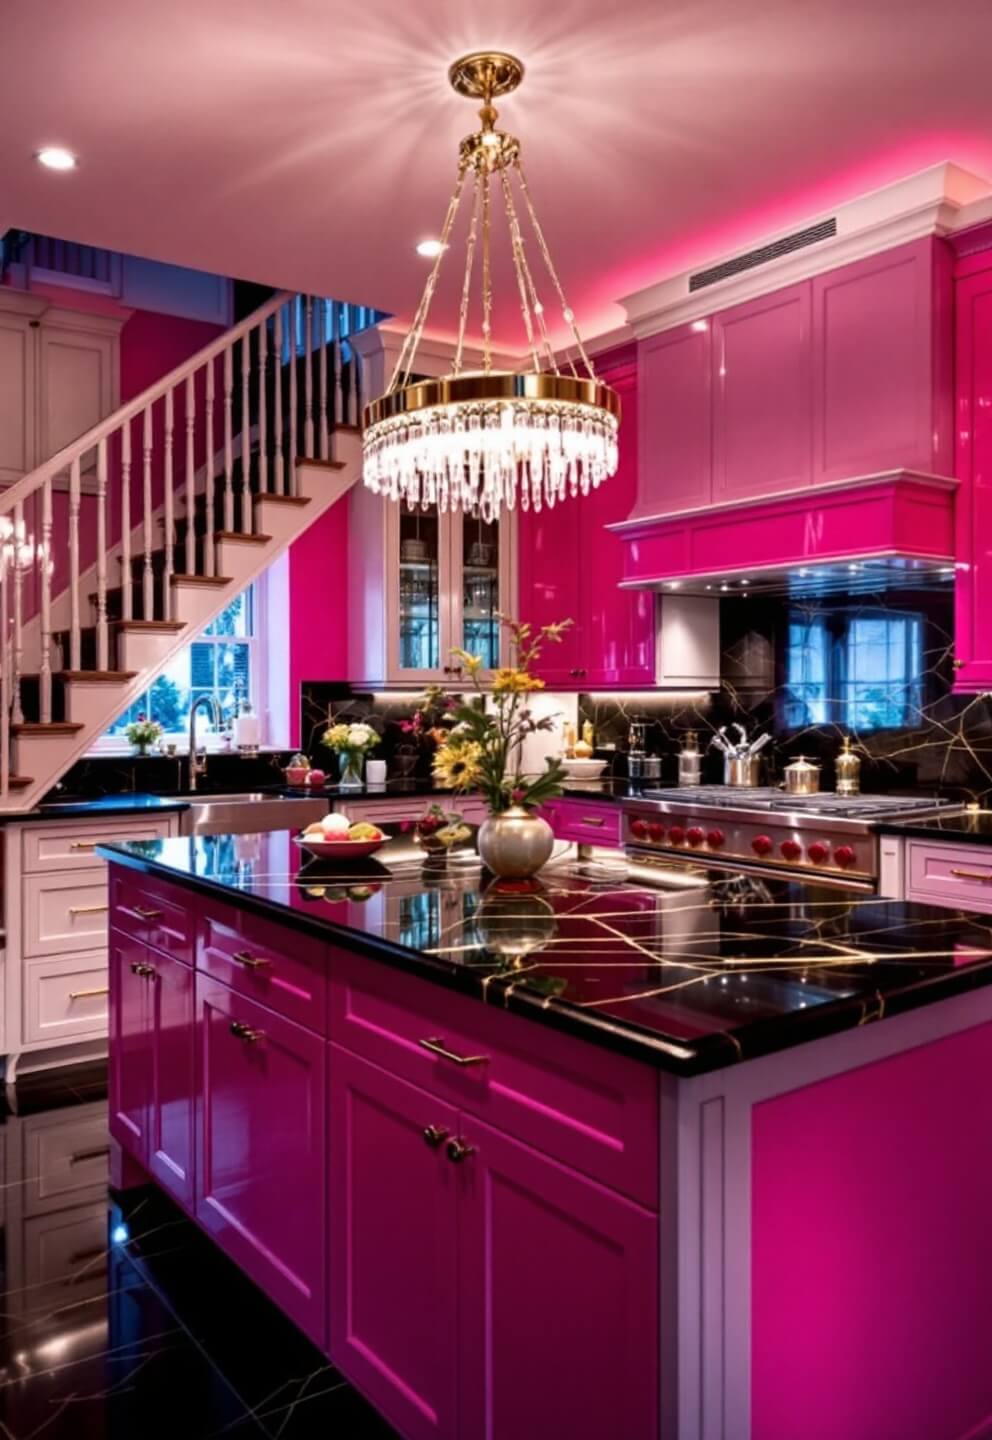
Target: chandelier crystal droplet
486 440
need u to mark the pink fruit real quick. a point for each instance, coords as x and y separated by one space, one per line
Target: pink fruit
316 777
296 775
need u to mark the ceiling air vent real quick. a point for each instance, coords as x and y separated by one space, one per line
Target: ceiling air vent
751 259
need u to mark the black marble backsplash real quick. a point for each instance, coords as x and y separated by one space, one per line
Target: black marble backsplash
97 775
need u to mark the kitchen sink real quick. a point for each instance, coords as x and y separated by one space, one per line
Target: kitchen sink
249 812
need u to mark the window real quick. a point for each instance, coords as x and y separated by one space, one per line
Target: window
860 669
221 662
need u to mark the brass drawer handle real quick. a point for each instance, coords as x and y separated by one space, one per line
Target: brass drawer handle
435 1135
250 961
88 909
88 994
437 1046
245 1032
458 1151
593 820
83 845
971 875
81 1155
82 1256
145 971
144 914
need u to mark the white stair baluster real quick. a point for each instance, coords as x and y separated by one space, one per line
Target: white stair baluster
102 648
126 607
308 381
228 439
338 394
20 556
246 525
190 561
277 477
169 516
352 410
75 640
45 683
148 576
356 366
5 667
292 449
263 435
322 311
208 481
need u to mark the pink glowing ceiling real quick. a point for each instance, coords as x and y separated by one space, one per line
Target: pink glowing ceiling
311 143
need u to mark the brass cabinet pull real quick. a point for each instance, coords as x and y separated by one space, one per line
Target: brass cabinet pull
83 845
435 1135
458 1151
146 914
971 875
88 994
81 1256
252 962
245 1032
81 1155
139 968
593 820
88 909
437 1046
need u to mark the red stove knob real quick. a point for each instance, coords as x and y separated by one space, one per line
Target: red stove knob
695 835
818 851
762 844
656 830
715 839
791 849
844 856
676 835
639 828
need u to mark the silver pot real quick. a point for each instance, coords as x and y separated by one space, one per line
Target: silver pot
742 770
802 777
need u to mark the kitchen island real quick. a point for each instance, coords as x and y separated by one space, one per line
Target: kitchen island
596 1160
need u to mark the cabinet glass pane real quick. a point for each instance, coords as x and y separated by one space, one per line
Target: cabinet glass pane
420 626
480 589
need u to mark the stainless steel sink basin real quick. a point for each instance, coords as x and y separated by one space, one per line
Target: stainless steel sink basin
246 813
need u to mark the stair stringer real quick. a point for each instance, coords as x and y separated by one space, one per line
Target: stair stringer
46 757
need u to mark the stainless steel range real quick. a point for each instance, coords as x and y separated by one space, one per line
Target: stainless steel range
826 836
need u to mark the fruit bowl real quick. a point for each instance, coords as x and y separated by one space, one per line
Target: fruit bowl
344 850
583 769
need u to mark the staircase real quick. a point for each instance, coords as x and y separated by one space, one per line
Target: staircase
118 550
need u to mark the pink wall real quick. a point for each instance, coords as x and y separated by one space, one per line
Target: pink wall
152 344
318 591
871 1251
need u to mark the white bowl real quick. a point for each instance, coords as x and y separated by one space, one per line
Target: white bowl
584 769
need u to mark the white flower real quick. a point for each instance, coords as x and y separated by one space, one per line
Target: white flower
359 736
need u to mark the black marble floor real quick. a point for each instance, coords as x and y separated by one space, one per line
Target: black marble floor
119 1320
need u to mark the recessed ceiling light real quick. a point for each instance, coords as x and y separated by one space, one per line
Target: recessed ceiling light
430 249
54 157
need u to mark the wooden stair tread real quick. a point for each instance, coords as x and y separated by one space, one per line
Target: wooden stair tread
282 499
19 782
347 430
47 727
100 677
228 535
221 580
320 464
170 627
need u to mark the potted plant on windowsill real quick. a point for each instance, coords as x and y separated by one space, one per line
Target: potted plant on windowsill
483 751
143 733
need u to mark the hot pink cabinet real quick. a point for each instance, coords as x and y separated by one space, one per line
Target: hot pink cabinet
394 1285
260 1130
973 585
152 1078
675 439
553 1268
570 566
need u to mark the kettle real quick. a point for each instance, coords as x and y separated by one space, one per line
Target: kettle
802 777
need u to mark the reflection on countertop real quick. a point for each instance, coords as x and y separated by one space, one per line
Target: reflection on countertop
973 827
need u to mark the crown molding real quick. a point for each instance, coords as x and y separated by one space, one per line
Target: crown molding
937 201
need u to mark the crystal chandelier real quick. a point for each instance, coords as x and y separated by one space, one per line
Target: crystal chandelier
486 439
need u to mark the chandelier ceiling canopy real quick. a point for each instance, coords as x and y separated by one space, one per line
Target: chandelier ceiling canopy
488 439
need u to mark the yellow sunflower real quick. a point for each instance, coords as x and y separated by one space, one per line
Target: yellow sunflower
458 767
508 679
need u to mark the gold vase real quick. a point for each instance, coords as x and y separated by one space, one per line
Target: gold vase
515 844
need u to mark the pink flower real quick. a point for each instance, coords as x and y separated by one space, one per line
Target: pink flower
517 795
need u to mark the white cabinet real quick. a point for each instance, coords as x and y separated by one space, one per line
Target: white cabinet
422 584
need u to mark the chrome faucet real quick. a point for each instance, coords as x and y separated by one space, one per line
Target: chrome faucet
198 759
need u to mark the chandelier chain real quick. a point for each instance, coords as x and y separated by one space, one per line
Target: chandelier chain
487 281
566 310
538 309
467 282
404 364
520 265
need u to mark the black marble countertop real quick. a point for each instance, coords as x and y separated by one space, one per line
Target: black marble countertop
100 808
715 968
612 790
973 827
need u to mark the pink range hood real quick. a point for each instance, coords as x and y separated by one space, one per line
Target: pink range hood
891 530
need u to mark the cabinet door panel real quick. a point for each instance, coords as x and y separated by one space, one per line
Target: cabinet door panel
762 396
675 421
394 1304
973 582
260 1148
559 1300
550 587
418 581
170 1118
130 1051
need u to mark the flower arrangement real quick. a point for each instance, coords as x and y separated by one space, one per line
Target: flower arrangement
143 732
483 749
351 742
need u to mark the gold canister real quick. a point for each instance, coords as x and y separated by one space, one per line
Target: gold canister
847 768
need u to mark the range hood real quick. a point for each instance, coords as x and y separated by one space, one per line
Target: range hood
893 530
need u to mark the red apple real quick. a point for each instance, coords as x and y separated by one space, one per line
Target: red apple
316 777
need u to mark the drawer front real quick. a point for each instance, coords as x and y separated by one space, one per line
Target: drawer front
591 1109
62 847
66 1158
584 824
387 812
265 962
64 914
154 912
957 875
66 999
65 1257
